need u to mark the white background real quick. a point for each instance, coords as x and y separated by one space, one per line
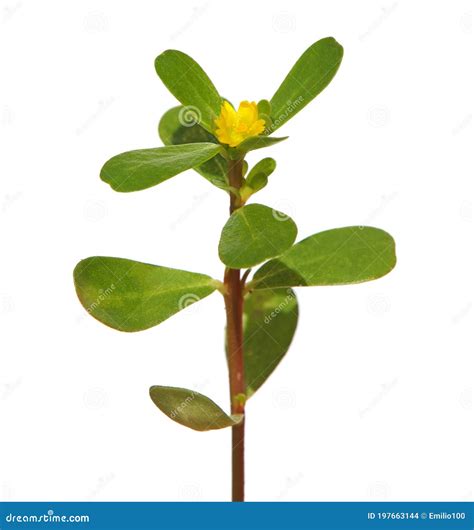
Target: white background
374 399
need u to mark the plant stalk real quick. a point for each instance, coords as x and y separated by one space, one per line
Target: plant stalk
235 354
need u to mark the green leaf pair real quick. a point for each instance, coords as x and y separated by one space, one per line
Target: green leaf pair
256 233
270 319
188 130
257 178
132 296
192 87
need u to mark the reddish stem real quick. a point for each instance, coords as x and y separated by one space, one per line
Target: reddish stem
235 355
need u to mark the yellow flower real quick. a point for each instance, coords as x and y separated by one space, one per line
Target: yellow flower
234 127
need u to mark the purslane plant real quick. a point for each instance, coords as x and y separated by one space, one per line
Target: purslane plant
207 134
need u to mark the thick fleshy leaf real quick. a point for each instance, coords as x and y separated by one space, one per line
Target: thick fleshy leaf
191 409
270 319
253 234
264 108
190 85
245 167
311 73
144 168
343 255
264 111
253 143
258 176
179 126
131 296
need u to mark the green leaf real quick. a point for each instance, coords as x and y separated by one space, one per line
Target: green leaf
270 319
191 409
144 168
258 176
132 296
245 167
253 234
343 255
257 179
264 111
312 72
179 126
190 85
264 107
252 143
